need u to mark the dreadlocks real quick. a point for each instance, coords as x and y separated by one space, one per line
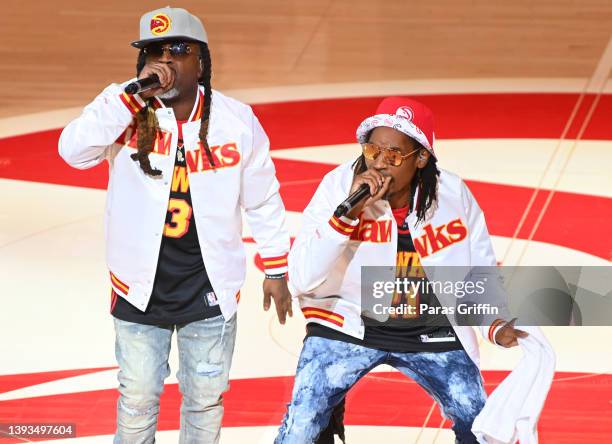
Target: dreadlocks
425 179
147 125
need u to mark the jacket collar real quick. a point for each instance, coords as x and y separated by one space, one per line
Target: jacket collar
197 110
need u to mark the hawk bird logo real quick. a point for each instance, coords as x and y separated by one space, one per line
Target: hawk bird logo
160 24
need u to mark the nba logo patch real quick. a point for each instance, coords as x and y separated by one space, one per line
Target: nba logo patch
211 297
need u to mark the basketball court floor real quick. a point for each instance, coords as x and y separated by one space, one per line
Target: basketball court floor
522 96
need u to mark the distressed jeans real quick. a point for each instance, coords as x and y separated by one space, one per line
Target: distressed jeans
205 351
327 369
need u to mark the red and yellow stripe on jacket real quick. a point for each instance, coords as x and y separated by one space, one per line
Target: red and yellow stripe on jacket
113 299
341 226
197 115
130 102
325 315
133 105
119 286
277 264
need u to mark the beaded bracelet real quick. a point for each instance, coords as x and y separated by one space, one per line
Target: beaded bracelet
276 276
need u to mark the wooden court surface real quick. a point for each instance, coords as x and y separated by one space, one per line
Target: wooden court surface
61 53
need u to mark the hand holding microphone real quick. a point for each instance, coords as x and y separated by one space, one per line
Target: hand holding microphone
367 188
154 79
143 84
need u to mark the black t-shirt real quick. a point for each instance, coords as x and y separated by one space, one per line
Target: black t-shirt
402 333
182 291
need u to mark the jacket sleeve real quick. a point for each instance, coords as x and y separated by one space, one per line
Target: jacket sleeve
85 142
320 242
263 207
484 265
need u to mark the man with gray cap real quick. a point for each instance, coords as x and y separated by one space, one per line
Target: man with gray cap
184 160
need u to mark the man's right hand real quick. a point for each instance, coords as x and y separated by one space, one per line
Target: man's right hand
379 185
166 78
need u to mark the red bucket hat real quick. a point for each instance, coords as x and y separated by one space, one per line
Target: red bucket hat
405 115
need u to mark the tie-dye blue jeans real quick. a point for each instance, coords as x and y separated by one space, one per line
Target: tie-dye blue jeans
327 369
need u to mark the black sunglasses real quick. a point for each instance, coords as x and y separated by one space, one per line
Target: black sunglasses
176 49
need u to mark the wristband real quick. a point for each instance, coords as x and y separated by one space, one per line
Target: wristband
276 276
493 329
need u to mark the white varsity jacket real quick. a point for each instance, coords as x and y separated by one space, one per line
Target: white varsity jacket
136 205
326 258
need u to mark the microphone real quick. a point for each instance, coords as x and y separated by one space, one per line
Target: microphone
362 192
141 85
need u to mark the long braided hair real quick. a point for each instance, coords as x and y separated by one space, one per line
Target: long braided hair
426 179
147 125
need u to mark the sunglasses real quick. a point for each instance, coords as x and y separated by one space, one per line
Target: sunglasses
391 156
177 49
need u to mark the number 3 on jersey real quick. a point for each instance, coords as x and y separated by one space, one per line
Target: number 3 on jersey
181 216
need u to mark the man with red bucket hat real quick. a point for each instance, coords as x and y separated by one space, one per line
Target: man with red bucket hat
416 217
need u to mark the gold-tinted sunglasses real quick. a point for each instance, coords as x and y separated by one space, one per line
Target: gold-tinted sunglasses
391 156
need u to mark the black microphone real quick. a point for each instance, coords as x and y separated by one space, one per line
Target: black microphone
141 85
362 192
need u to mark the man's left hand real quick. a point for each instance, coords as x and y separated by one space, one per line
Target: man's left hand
507 336
277 289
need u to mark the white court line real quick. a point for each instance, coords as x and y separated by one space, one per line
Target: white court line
599 79
481 160
28 123
411 87
601 75
544 173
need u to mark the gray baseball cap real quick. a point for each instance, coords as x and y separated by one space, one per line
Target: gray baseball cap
170 23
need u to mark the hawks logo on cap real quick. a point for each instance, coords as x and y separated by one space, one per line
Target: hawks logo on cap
160 24
405 111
